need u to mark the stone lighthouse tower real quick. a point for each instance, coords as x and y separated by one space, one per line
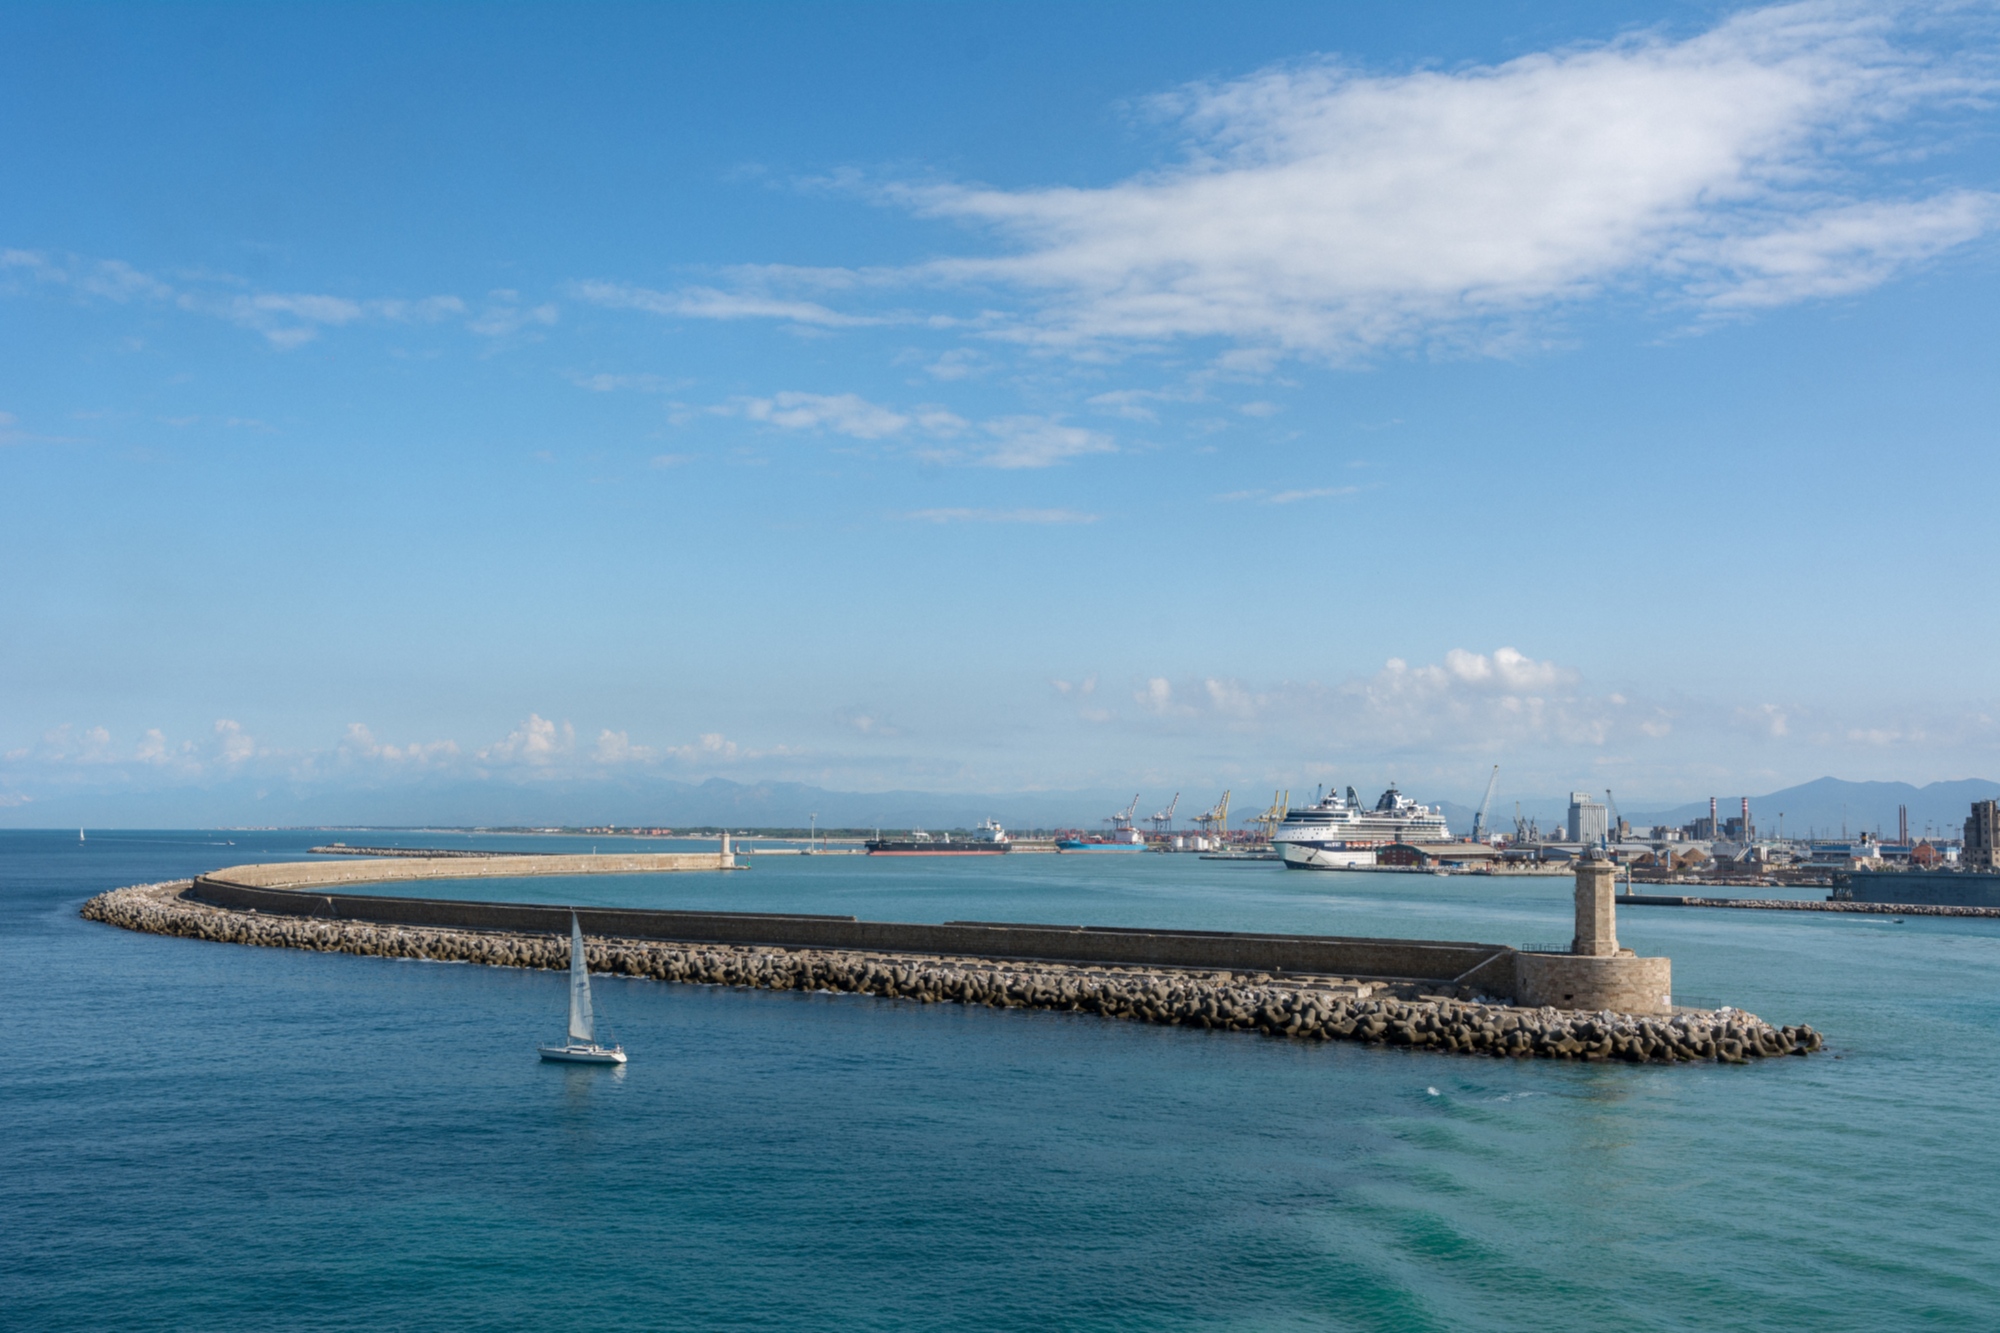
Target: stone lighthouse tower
1596 973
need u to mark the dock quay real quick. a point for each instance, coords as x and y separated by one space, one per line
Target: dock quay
1805 905
1592 1002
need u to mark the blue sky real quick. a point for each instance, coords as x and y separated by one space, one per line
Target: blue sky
991 398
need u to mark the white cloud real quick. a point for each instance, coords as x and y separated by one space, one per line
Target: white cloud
1769 719
1324 210
286 319
360 743
536 741
233 742
843 414
711 745
615 747
1287 497
958 363
608 383
713 303
1035 442
1034 516
505 314
1010 442
1157 696
1311 493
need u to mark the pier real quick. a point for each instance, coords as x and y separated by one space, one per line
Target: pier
1594 1000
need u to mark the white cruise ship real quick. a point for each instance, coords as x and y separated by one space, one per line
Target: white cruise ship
1338 832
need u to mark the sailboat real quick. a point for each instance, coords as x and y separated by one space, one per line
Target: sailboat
580 1047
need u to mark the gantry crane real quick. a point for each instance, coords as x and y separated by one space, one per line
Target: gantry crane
1281 805
1123 819
1479 820
1163 821
1216 819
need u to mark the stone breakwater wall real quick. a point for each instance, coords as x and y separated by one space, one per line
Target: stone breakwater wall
1292 1006
1805 905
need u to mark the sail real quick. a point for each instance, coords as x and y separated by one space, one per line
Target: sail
582 1023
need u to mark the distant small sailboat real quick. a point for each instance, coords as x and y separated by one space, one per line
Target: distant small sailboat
581 1047
79 835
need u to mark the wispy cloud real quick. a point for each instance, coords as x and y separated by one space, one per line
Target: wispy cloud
505 314
841 413
714 303
605 382
285 319
1328 211
1028 441
1016 442
1287 497
1044 517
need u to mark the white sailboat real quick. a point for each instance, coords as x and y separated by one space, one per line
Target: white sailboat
580 1047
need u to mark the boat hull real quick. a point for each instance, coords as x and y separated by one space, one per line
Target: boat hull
1066 847
937 849
582 1055
1307 856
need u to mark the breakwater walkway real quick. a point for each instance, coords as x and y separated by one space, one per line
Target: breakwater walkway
1114 973
1803 905
425 853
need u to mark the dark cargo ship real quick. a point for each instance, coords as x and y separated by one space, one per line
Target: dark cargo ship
988 840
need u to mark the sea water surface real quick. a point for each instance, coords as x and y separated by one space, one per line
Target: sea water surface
214 1136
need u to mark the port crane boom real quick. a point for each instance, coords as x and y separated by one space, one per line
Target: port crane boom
1123 819
1479 820
1163 821
1281 805
1216 821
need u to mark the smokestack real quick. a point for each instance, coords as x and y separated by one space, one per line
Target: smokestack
1746 819
1714 826
1903 824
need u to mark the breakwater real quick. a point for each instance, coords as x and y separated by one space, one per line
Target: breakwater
1278 1004
1804 905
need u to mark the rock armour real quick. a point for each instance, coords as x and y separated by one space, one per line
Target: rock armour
1317 1008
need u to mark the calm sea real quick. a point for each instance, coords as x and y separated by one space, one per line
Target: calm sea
209 1136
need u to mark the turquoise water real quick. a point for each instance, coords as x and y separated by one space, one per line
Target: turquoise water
202 1135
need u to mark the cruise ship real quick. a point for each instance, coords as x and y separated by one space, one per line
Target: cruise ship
1339 833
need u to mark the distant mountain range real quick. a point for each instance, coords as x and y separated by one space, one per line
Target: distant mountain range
1823 806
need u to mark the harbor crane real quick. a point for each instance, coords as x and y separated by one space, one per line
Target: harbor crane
1123 819
1616 818
1479 820
1281 805
1163 821
1216 821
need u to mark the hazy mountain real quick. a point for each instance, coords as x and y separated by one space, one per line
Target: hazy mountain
1823 806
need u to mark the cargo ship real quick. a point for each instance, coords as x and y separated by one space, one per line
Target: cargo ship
989 839
1118 840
